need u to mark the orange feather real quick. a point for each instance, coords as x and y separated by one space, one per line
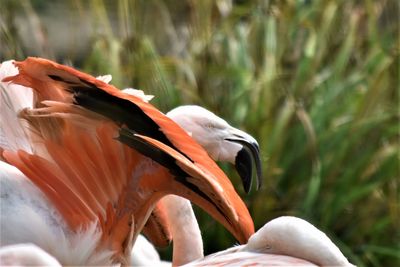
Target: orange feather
89 173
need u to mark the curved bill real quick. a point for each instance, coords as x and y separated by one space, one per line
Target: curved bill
249 153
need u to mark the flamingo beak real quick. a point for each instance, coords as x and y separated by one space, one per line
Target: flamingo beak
244 159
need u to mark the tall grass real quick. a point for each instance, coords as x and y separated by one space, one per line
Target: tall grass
316 82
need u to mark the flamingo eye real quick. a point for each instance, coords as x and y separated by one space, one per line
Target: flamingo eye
213 125
209 125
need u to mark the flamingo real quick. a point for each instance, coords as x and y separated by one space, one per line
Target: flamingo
73 125
173 204
284 241
286 235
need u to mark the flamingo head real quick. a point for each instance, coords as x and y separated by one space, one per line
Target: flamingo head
221 141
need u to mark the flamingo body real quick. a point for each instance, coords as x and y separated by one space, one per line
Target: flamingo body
99 188
284 241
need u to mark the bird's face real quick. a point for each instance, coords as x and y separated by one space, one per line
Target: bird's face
221 141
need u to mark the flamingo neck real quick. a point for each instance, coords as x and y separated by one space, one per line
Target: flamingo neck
187 241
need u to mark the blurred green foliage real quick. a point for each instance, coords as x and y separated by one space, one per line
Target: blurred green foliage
315 82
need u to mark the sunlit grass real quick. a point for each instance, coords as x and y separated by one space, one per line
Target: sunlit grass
316 82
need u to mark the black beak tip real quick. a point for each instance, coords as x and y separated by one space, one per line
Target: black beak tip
243 164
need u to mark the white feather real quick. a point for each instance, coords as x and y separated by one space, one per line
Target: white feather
296 237
26 255
138 93
144 254
13 98
105 78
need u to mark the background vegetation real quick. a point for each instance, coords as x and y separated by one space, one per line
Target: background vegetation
316 82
